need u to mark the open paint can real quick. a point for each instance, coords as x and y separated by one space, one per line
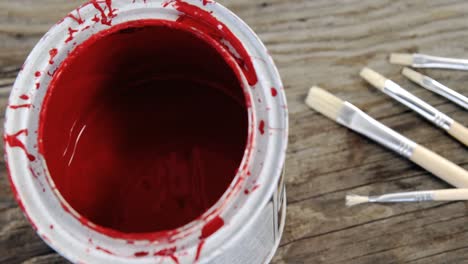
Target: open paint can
150 132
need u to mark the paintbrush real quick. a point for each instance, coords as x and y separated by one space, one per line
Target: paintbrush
425 61
436 87
408 197
352 117
395 91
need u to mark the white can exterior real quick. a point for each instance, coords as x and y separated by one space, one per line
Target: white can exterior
253 208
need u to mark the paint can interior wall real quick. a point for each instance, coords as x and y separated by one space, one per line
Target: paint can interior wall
143 127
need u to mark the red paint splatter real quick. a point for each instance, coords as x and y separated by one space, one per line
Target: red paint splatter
246 191
205 2
71 31
104 250
24 97
51 226
106 19
96 19
38 85
141 254
13 141
274 92
206 22
199 249
261 127
170 252
37 74
52 53
20 106
130 242
255 187
86 28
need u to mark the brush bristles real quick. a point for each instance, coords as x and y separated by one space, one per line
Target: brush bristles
352 200
324 102
374 78
401 59
413 75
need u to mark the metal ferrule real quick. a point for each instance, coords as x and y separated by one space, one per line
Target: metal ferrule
403 197
426 61
430 113
444 91
355 119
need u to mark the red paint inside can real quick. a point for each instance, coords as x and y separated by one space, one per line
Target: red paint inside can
144 126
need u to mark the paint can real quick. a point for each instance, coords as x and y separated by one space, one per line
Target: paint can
243 226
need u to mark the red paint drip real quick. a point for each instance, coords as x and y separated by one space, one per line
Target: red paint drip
76 18
104 250
24 97
274 92
141 254
246 191
20 106
52 53
37 74
13 141
205 2
199 249
170 252
261 127
207 23
106 19
211 227
38 85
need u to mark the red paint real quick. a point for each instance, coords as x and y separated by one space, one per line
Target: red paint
207 23
142 135
261 127
104 250
37 74
96 19
106 18
141 254
24 97
38 85
51 226
199 249
20 106
76 18
52 53
205 2
71 33
274 92
13 141
170 252
86 28
211 227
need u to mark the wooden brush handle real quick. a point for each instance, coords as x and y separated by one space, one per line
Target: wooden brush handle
441 167
459 132
451 195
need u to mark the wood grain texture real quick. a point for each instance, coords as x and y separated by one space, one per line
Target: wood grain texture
322 43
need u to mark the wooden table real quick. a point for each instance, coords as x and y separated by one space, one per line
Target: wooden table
326 43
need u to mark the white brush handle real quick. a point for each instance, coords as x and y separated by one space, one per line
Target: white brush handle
459 132
450 195
439 166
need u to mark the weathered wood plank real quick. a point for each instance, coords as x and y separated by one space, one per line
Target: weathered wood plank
325 43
